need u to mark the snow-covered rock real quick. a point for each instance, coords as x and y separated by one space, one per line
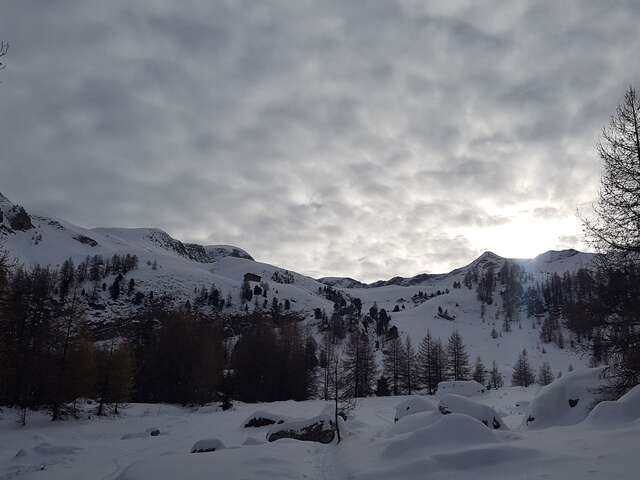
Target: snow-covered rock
567 400
466 388
317 429
262 419
449 431
207 445
414 422
622 411
452 403
413 405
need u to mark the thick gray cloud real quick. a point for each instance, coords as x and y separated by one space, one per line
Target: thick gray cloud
367 139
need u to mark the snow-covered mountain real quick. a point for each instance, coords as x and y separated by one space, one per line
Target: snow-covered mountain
553 261
169 266
166 265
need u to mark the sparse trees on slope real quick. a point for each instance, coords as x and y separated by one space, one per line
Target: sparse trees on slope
486 286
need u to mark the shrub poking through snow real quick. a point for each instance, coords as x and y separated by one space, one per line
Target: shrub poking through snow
207 445
459 404
262 419
566 401
466 388
317 429
413 405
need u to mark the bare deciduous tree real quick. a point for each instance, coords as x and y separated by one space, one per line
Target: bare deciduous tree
615 227
614 231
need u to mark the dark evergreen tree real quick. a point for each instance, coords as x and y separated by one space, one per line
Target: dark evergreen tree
458 366
522 376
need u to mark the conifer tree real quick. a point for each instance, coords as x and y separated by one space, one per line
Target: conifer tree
425 364
522 376
495 377
458 366
408 368
479 372
393 360
545 375
359 365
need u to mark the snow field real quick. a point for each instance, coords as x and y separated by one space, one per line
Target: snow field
453 446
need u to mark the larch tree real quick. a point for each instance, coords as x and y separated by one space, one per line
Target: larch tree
614 231
408 368
522 376
359 364
393 360
495 377
479 371
426 364
545 374
458 365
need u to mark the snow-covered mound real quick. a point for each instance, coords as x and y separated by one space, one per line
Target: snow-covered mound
449 431
450 404
262 419
417 421
466 388
207 445
413 405
622 411
317 429
566 401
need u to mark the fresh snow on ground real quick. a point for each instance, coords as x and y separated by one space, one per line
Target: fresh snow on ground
454 446
466 388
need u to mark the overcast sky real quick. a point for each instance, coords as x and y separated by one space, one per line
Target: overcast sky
333 137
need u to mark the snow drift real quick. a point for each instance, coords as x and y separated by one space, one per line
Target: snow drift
458 404
566 401
449 431
413 405
622 411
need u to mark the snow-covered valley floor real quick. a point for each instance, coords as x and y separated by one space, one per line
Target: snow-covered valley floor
374 447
